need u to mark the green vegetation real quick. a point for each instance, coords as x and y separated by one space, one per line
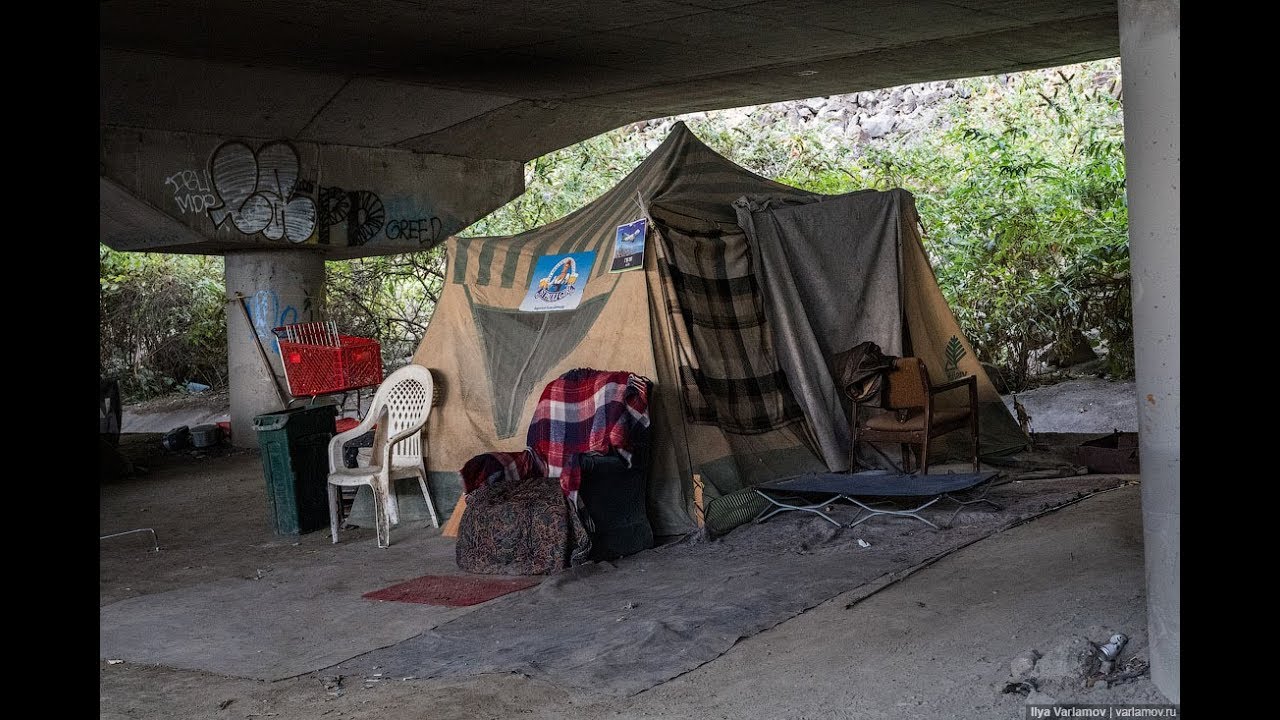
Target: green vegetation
1023 203
162 322
390 298
1020 189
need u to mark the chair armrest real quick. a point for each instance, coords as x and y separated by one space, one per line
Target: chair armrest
953 384
365 426
970 381
393 441
383 459
342 438
335 451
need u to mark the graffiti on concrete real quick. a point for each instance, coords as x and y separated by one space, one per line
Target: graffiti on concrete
192 190
365 218
332 208
263 192
266 313
423 230
358 212
263 307
260 191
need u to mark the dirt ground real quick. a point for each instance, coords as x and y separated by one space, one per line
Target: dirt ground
938 644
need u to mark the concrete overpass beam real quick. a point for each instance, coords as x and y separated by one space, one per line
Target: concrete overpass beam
227 194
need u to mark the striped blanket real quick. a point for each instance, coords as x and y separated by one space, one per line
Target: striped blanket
583 411
729 373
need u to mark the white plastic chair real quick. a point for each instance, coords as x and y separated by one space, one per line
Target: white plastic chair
400 408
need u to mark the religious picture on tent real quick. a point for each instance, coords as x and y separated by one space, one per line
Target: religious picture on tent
558 281
628 246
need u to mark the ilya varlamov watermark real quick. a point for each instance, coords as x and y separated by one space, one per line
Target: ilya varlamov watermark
1036 712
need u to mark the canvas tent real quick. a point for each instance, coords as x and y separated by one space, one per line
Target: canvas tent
749 293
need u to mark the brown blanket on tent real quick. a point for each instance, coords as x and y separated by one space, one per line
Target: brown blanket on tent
523 527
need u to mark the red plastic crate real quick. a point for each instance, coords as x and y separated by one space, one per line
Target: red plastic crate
313 369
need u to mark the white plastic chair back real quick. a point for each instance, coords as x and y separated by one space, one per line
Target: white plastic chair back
406 395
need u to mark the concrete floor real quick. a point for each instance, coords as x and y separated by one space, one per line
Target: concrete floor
937 644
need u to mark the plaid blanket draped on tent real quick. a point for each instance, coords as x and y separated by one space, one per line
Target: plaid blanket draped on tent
729 374
582 411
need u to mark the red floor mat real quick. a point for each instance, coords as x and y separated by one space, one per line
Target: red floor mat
451 590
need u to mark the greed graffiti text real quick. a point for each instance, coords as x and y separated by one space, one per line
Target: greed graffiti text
423 230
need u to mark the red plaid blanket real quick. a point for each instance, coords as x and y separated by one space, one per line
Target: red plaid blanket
582 411
495 466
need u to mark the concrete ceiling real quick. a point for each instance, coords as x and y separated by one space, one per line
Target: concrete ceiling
514 80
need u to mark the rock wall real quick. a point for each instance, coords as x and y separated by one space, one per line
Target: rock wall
885 114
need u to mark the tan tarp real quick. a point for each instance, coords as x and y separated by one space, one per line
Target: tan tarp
493 360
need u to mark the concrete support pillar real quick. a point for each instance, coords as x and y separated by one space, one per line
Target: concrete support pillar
1150 56
281 287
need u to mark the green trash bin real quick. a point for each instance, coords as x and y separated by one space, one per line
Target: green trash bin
295 461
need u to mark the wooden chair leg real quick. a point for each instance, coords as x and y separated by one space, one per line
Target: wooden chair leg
977 465
907 453
973 422
924 455
853 438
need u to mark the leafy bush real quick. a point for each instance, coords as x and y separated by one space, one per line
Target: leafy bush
389 298
1026 224
162 321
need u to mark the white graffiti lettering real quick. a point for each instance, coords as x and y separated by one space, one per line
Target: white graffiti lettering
258 191
189 181
192 190
195 203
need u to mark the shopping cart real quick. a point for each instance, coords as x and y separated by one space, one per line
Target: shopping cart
319 360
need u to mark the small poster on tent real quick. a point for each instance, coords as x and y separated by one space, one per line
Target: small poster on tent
558 282
628 246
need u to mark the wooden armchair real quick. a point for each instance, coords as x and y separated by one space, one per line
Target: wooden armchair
912 418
